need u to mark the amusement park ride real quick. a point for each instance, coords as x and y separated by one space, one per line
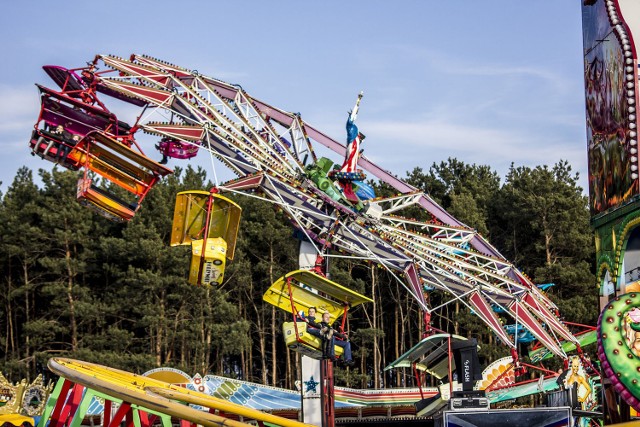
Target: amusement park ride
272 153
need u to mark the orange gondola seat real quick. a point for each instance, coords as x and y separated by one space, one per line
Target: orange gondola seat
119 164
75 130
103 202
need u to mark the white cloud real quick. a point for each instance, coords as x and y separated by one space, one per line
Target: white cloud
402 145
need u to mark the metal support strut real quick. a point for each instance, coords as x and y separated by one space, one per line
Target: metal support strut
327 397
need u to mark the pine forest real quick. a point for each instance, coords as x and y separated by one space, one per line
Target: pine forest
77 285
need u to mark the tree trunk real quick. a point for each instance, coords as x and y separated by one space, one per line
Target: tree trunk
183 351
547 239
274 358
289 371
456 324
243 353
250 364
27 315
72 306
10 344
382 360
171 347
396 340
263 349
206 362
274 335
159 332
376 350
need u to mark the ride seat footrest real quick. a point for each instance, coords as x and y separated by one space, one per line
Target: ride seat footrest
307 344
103 202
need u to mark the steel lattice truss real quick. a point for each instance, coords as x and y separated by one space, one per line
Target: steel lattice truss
268 148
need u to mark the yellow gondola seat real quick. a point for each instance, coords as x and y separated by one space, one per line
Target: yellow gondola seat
307 344
301 289
212 264
190 219
207 217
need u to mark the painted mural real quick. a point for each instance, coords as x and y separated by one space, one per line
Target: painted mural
610 106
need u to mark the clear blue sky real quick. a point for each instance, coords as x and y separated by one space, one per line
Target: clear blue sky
488 82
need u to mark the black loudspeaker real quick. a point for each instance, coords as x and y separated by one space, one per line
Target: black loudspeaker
468 371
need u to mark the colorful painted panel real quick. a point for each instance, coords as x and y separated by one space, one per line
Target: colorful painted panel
523 389
610 91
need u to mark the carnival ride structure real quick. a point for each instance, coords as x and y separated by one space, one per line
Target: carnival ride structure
272 151
619 345
86 400
351 404
137 400
21 404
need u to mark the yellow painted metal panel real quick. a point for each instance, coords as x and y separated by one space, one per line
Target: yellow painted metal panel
309 345
158 395
16 420
126 152
213 264
190 217
331 298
